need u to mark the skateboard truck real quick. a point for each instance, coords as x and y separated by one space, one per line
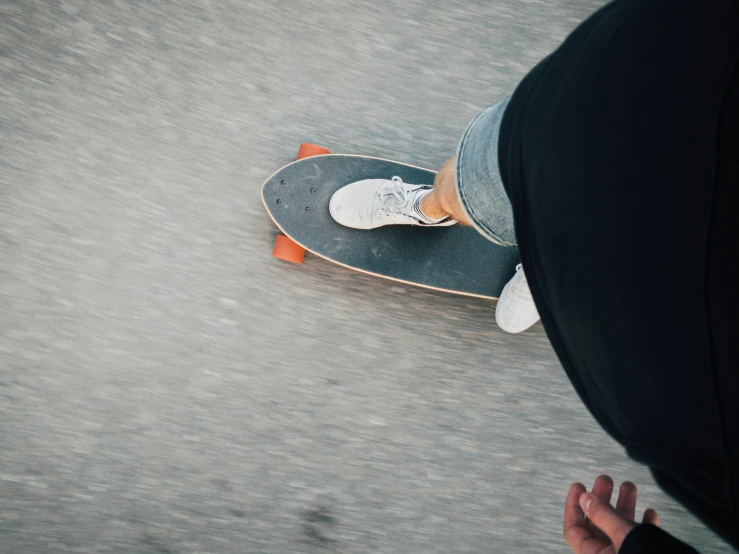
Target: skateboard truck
286 248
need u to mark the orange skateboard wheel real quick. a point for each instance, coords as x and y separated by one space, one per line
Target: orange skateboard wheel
307 150
287 249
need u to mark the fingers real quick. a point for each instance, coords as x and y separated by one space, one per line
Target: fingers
573 512
590 522
603 488
603 516
651 517
626 503
575 531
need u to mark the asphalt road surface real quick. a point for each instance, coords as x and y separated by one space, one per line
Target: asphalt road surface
168 387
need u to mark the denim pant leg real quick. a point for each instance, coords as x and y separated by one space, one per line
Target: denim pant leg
477 177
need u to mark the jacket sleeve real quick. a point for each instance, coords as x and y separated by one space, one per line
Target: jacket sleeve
649 539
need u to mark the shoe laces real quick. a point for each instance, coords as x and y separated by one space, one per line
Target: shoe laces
393 196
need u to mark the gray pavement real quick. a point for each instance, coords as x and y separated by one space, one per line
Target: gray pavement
166 386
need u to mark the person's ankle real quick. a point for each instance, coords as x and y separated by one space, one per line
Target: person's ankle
431 208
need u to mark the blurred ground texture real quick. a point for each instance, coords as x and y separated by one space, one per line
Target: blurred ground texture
166 386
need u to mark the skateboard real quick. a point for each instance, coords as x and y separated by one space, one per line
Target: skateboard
454 259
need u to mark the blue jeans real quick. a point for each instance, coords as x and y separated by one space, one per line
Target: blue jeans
477 177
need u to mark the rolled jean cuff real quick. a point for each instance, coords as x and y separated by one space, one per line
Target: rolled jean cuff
477 177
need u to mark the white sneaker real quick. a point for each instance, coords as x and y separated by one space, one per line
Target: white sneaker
372 203
516 311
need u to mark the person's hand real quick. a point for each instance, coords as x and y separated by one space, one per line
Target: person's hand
592 525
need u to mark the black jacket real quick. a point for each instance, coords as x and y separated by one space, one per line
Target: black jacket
620 153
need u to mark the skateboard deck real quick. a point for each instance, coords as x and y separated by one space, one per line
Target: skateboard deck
454 259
